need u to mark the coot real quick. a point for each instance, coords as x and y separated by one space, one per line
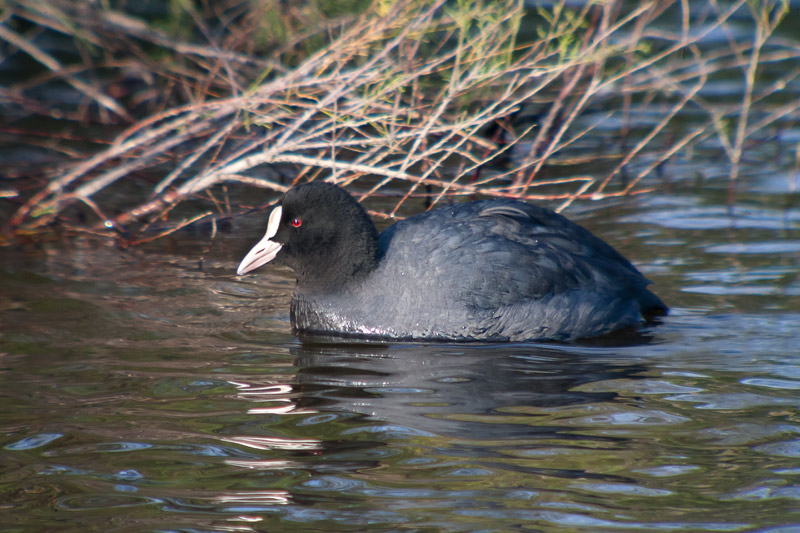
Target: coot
491 270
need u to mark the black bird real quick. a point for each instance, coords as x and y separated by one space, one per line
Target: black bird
491 270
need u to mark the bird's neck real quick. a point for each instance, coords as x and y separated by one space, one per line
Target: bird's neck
340 268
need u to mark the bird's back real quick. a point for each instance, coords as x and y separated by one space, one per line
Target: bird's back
494 270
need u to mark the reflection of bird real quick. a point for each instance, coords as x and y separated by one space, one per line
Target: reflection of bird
451 390
492 270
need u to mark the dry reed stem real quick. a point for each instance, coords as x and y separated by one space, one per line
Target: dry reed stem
403 98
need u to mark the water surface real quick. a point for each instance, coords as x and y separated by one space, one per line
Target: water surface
153 390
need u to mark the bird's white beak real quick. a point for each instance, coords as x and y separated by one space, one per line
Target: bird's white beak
265 250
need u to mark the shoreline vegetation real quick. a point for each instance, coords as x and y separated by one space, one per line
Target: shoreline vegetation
169 118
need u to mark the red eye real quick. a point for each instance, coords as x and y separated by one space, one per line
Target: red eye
297 223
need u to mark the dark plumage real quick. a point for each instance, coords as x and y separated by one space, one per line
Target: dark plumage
492 270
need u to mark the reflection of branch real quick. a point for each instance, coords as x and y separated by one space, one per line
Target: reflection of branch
692 136
647 139
51 63
766 22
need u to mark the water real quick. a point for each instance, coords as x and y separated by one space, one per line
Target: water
153 390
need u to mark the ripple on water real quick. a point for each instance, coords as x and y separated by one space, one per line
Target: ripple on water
360 517
88 502
34 441
644 386
762 493
255 500
333 483
640 417
763 247
748 433
668 470
742 290
100 447
318 419
772 383
128 475
780 449
718 217
735 400
742 275
622 488
390 431
575 520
